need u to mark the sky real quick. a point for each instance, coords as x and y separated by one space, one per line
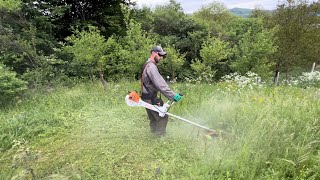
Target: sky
190 6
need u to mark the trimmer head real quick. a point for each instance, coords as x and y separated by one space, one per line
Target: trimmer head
211 134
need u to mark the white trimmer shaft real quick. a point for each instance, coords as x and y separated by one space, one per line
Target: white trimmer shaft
134 100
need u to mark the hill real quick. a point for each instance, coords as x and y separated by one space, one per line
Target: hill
243 12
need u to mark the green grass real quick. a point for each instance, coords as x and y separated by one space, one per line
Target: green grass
85 132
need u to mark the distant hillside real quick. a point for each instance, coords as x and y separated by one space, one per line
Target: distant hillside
243 12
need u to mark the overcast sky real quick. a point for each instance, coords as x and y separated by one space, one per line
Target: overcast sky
190 6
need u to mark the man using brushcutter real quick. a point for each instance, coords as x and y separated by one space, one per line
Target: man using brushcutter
151 83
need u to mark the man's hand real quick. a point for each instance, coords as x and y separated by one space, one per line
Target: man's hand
177 97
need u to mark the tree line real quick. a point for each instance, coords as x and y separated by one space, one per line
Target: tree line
50 41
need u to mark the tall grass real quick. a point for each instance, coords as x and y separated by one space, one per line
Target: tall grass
270 132
85 132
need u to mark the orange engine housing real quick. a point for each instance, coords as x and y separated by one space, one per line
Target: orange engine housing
134 96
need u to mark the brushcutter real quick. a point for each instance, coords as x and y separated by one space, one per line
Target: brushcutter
134 100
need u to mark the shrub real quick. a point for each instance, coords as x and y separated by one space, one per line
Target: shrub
48 73
10 85
249 79
308 79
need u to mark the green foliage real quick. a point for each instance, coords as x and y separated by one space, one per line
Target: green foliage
24 47
193 43
88 49
86 46
254 46
137 46
260 13
198 67
18 48
11 5
202 72
116 65
41 28
171 65
125 55
254 53
10 85
190 41
113 39
107 16
298 34
49 74
145 17
215 52
238 27
179 29
215 15
167 18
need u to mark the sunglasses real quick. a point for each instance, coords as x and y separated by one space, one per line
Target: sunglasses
161 55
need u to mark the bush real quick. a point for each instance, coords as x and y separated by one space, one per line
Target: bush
49 73
10 85
308 79
250 79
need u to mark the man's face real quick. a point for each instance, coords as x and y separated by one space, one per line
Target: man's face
157 58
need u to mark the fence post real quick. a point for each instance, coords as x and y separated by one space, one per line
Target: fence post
313 66
277 78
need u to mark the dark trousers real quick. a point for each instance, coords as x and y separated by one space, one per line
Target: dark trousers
158 124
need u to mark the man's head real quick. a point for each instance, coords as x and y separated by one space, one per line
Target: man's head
157 52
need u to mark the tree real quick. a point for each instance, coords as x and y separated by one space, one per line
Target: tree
202 72
254 52
215 15
215 52
88 49
298 35
238 27
126 55
19 41
138 45
179 29
106 15
167 18
260 13
145 17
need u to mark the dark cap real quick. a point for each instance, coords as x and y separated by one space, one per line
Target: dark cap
159 50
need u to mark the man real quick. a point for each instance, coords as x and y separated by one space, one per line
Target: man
151 83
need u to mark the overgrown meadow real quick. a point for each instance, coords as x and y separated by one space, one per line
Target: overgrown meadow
86 132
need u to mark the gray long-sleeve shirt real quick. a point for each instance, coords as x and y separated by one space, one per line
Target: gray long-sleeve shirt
154 81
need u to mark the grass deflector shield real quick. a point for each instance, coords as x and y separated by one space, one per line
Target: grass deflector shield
133 100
